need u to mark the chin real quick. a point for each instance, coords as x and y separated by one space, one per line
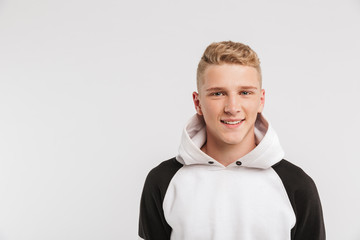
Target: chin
233 140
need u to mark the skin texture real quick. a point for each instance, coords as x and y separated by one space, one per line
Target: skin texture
224 95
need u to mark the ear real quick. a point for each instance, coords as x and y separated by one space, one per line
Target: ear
197 103
262 100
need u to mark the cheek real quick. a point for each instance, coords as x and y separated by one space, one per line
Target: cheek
212 108
252 107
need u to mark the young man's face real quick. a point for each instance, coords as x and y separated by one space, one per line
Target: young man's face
229 99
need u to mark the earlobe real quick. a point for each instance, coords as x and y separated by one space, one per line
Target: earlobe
197 103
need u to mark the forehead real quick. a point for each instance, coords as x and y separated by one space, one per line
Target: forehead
230 75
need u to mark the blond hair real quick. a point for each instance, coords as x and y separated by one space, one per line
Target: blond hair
227 52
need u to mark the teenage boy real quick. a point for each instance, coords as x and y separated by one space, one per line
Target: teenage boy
229 180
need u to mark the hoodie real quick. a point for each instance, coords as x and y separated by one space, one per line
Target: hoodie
260 196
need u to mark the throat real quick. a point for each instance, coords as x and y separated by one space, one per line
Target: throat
226 153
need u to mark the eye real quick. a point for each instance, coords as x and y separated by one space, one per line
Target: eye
217 94
245 93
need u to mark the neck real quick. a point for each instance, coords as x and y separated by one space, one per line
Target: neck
228 153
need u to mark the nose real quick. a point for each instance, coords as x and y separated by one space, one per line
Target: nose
232 105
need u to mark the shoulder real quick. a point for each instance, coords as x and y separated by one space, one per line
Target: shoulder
300 187
294 178
164 170
160 176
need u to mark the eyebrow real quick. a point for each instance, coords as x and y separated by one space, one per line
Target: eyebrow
214 89
221 89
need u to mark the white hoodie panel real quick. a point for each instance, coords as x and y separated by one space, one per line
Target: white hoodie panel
210 202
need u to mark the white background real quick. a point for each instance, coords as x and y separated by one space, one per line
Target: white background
93 94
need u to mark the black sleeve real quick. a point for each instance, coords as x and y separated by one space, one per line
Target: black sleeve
305 201
152 223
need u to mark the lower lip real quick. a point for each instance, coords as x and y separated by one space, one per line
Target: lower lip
232 125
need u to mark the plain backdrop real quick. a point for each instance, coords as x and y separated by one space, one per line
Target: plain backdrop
93 94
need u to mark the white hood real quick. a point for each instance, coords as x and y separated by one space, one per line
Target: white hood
267 152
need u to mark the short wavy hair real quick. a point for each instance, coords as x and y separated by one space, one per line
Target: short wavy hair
227 52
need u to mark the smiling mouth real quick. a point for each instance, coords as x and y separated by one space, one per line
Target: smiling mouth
232 122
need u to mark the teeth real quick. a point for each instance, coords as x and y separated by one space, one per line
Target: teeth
231 123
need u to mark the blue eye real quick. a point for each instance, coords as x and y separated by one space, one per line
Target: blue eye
245 93
217 94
